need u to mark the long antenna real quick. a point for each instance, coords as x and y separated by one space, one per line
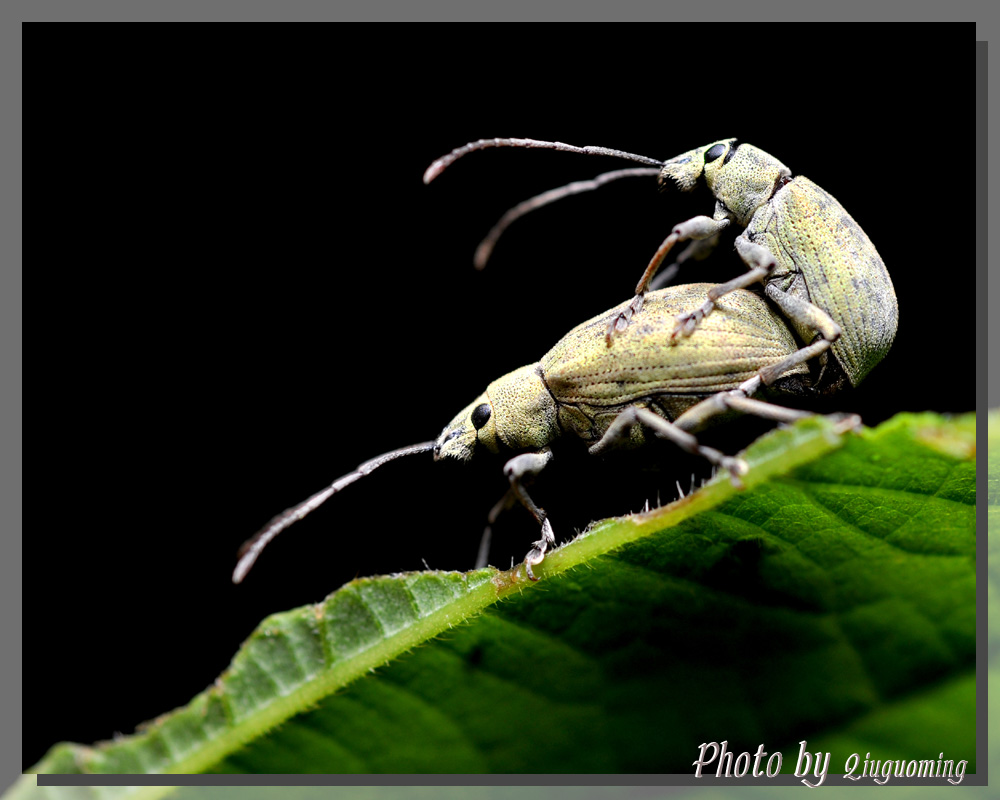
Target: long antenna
485 248
444 162
253 546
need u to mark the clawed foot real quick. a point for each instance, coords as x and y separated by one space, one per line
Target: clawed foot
535 556
686 323
737 467
620 323
844 423
537 553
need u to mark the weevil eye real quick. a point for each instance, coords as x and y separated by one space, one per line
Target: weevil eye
714 152
481 415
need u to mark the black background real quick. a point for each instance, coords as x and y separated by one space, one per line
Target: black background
246 290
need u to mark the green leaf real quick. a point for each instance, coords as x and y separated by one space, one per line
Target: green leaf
832 600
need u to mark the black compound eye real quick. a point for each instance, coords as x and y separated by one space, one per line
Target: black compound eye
481 415
714 152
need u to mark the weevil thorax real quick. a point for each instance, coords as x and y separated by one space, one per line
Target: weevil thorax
515 412
742 177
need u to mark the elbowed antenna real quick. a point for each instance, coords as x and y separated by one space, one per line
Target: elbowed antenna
485 248
253 546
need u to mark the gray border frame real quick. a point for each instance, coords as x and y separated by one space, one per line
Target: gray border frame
10 353
16 13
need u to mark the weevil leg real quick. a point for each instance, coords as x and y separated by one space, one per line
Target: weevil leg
759 408
686 323
504 503
697 228
698 416
739 400
805 315
698 250
761 264
516 470
621 427
700 227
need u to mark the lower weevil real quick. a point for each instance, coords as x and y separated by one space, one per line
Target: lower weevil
647 385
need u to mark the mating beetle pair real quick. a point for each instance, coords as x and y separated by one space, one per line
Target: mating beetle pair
668 362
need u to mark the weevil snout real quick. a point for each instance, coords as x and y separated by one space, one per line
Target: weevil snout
443 448
459 437
686 169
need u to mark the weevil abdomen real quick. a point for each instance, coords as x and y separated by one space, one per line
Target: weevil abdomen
809 233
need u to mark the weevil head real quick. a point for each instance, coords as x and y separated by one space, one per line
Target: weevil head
742 177
461 436
515 412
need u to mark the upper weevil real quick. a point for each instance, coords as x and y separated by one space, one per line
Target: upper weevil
646 386
817 264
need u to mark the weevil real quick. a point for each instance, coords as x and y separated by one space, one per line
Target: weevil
816 263
646 386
